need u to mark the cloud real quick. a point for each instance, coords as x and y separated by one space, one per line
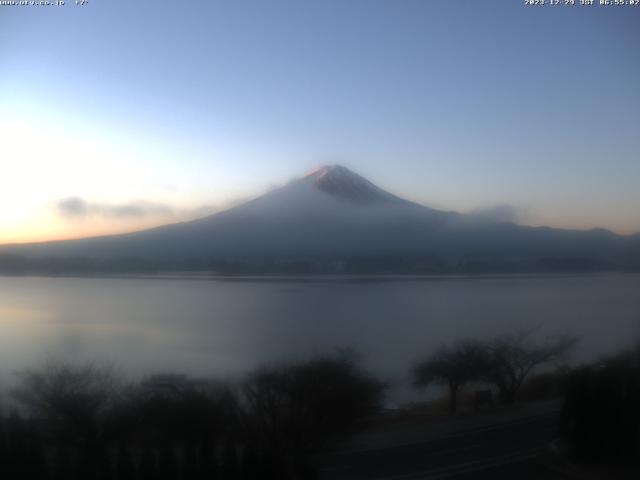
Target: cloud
500 213
77 207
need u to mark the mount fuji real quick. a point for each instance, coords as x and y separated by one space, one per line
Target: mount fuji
333 220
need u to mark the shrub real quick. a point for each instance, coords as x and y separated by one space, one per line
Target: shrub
601 414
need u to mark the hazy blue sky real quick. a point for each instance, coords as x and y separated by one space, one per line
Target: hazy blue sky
177 108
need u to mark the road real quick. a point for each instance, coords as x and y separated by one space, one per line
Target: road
508 450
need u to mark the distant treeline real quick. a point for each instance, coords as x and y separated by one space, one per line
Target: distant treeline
11 264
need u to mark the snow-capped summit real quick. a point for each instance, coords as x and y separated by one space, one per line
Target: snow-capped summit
341 182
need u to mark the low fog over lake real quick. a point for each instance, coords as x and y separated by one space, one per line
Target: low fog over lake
228 326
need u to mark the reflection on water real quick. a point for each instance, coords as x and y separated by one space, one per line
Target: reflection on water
226 327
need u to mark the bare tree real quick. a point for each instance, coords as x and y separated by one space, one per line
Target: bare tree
70 396
453 366
291 411
513 357
74 400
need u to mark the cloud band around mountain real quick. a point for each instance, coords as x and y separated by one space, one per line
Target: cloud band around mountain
500 213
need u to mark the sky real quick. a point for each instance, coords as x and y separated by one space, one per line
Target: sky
120 115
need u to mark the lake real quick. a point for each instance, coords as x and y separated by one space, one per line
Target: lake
225 327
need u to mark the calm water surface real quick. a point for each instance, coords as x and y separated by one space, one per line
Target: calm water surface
225 327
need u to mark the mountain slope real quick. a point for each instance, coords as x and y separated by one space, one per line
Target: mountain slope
333 213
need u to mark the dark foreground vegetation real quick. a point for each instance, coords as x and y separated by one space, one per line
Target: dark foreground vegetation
70 421
80 422
600 421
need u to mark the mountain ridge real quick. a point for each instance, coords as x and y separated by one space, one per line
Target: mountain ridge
332 216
